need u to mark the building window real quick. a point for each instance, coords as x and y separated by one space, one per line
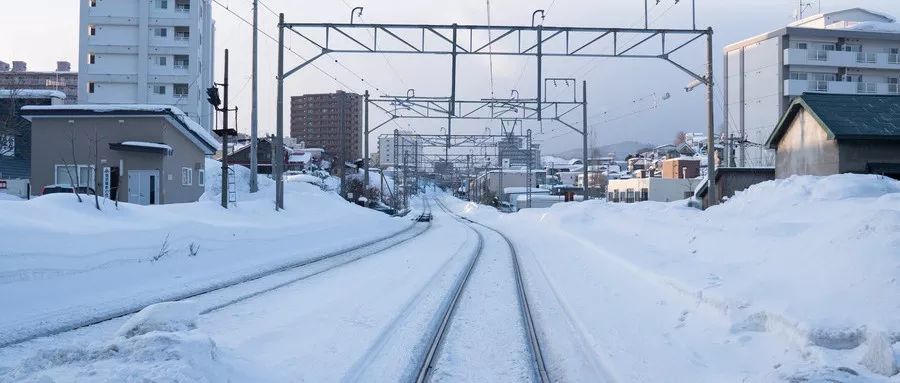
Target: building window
160 32
90 87
182 33
201 177
182 5
162 4
187 176
92 30
181 61
159 89
80 175
180 90
645 194
799 76
92 58
800 45
162 61
629 195
93 3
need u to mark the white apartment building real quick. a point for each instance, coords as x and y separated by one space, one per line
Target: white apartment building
386 147
147 52
844 52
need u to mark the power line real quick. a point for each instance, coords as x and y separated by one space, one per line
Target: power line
490 51
217 2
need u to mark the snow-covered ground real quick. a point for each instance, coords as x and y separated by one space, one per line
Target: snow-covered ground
792 279
63 262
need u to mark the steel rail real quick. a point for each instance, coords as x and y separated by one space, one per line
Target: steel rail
25 336
525 310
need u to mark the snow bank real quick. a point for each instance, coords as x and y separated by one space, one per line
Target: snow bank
64 262
165 316
814 259
160 343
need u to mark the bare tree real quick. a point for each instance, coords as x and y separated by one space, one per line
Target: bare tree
68 166
680 138
98 180
13 129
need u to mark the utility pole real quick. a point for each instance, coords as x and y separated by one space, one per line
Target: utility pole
341 141
584 138
279 119
254 165
528 169
366 139
225 137
710 129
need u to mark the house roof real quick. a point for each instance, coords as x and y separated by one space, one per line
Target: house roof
190 128
845 117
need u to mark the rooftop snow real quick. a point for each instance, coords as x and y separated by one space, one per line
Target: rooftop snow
143 144
32 93
192 125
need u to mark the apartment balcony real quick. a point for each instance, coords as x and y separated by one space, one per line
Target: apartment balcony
798 87
868 60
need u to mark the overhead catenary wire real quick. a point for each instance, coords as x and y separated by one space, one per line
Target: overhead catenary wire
289 49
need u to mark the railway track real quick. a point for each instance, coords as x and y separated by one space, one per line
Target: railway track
352 253
438 337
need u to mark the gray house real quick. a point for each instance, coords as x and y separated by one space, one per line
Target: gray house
143 154
823 134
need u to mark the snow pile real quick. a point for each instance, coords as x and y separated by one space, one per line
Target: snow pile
65 262
165 316
815 260
160 343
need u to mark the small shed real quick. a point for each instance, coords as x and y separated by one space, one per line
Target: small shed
142 154
824 134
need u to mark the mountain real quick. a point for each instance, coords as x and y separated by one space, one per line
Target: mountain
620 150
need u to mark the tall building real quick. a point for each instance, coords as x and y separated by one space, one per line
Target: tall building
62 79
147 52
315 120
405 141
854 51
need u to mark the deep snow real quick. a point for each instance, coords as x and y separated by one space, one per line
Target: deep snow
812 261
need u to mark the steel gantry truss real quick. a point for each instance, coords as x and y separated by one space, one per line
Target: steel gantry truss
411 106
536 41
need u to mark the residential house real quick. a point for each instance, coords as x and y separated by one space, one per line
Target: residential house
650 189
15 136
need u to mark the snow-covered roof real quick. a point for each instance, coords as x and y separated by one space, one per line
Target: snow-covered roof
838 14
195 129
304 157
32 93
521 189
153 145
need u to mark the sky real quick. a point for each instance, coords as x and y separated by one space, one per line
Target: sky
625 96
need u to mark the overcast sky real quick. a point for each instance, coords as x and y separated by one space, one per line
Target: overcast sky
42 32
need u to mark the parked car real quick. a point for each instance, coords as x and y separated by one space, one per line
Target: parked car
58 188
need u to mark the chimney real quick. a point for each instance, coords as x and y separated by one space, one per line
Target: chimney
4 66
19 66
63 66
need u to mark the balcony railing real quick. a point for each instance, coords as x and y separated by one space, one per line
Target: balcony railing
182 36
867 87
894 88
181 66
818 86
818 55
867 58
893 58
182 8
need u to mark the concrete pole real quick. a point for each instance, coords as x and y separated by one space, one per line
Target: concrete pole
279 119
366 139
584 138
254 116
710 129
342 142
225 137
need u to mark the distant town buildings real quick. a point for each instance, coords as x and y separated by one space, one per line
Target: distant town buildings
406 140
316 120
147 52
854 51
512 152
62 79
